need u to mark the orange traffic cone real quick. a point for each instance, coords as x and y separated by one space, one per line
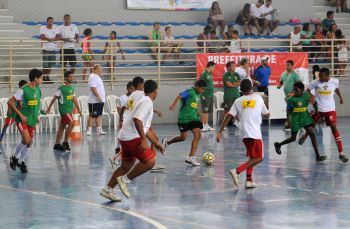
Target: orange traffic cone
76 133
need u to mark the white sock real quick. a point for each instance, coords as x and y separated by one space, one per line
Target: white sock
89 129
126 179
20 147
99 128
24 153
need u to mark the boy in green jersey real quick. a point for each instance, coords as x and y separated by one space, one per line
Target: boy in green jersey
188 119
300 118
66 99
10 119
26 117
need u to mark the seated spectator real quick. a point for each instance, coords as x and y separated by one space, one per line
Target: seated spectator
331 36
155 37
342 6
295 39
262 75
170 45
315 72
256 18
306 34
228 35
243 19
319 44
202 46
343 48
110 51
328 22
268 13
215 45
216 17
235 44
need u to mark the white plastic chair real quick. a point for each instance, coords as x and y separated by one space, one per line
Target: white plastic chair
84 107
112 101
53 115
218 100
104 113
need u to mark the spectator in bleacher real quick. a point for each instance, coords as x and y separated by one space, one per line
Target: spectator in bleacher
268 13
202 46
244 19
216 17
87 53
343 48
328 22
295 39
215 45
235 44
69 34
319 44
262 75
256 18
342 6
49 33
228 35
170 45
306 34
155 37
112 47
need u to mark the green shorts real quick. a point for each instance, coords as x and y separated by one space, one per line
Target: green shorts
299 122
207 104
228 102
49 59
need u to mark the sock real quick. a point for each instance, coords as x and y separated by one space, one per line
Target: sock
338 141
108 189
3 132
126 179
24 153
20 147
99 128
89 129
242 167
250 174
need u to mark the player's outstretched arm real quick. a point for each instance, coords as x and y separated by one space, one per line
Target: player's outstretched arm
226 120
175 102
52 102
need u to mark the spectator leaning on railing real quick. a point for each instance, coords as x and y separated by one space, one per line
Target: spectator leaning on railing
112 47
328 22
244 19
215 45
343 48
306 34
49 34
216 17
295 39
202 45
268 12
235 44
318 45
69 34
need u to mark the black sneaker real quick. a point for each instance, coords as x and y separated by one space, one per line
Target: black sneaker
66 146
343 158
321 158
59 147
23 167
277 148
13 162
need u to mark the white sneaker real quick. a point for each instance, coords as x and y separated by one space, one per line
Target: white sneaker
237 124
250 184
165 144
110 195
88 133
123 187
211 128
158 167
225 128
101 132
235 177
193 161
205 129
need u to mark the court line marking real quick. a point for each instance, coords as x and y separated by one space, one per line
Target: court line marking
144 218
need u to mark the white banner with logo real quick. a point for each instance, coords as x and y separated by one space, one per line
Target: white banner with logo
170 4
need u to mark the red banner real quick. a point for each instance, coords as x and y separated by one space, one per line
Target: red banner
277 62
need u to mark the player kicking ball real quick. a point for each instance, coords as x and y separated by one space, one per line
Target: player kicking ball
300 119
325 87
26 117
250 107
133 141
188 119
66 101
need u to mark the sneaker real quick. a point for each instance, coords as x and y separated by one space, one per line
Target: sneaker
211 128
193 161
59 147
277 148
13 162
101 132
235 177
110 195
237 124
158 167
165 144
66 146
343 158
123 186
205 129
23 167
250 184
88 133
321 158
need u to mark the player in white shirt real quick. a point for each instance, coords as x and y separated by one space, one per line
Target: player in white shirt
268 13
133 140
325 87
69 34
250 107
49 34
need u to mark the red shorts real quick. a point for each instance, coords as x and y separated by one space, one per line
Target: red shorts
255 147
130 151
9 121
22 126
67 118
330 117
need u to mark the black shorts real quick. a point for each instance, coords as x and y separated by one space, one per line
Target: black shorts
95 109
184 127
68 56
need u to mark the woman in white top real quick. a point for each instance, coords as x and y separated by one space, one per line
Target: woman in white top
295 39
235 44
170 45
343 49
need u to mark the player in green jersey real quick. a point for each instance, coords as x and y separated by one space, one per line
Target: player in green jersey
26 117
300 118
66 102
188 119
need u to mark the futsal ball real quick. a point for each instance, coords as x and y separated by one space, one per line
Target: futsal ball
208 158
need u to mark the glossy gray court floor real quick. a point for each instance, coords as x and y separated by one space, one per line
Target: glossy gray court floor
62 190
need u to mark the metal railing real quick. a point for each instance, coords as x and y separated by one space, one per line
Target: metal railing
18 56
